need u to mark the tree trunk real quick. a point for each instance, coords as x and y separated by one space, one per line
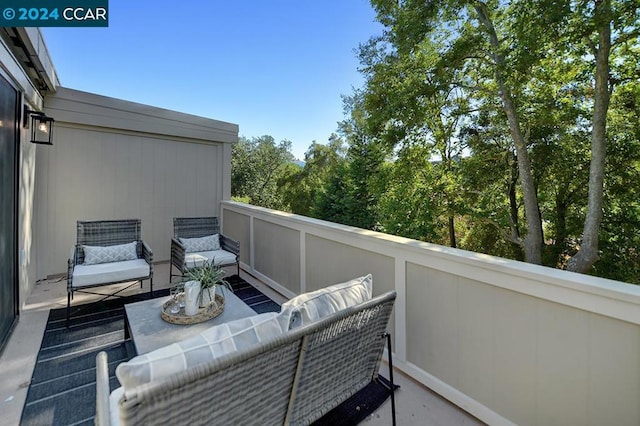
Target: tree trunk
560 244
588 253
532 243
513 202
452 233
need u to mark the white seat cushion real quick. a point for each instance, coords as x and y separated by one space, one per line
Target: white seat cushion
214 342
217 257
309 307
104 273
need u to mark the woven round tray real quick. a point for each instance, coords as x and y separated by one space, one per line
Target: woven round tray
212 310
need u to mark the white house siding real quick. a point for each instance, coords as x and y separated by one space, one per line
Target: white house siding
114 159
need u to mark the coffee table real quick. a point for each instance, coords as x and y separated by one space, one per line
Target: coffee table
148 331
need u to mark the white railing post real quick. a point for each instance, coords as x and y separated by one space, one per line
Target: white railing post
400 317
303 261
252 251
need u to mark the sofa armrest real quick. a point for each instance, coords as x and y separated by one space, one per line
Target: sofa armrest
230 245
102 390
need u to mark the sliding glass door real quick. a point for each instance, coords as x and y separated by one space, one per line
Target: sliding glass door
8 209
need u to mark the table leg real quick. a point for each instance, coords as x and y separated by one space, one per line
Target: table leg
128 341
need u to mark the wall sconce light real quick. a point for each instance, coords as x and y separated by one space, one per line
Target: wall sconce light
41 126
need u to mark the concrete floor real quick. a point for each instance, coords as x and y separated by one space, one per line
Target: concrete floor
415 404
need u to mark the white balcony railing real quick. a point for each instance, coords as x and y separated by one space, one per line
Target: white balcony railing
505 340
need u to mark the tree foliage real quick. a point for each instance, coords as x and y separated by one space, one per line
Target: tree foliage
256 166
508 128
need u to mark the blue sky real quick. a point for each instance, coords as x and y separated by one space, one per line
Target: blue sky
275 67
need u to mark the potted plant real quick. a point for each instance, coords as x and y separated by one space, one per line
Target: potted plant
210 276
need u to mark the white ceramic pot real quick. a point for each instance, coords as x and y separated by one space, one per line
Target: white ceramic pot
191 297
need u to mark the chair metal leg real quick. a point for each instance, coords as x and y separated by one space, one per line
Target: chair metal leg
68 307
393 398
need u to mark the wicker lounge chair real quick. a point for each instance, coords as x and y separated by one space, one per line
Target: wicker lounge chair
292 379
102 237
196 227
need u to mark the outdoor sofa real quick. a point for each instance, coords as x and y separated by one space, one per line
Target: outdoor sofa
299 364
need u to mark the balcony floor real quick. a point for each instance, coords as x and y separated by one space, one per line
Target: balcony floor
415 404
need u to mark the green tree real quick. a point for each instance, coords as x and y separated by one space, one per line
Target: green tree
410 206
304 189
474 37
364 178
490 193
334 203
602 25
415 105
620 234
507 52
256 167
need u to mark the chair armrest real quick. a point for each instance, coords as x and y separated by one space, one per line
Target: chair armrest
230 245
70 265
147 253
72 255
102 390
177 253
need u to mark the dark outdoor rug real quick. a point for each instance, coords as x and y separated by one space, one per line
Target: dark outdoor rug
359 406
62 389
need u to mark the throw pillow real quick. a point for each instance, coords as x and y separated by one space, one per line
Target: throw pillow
309 307
208 243
107 254
214 342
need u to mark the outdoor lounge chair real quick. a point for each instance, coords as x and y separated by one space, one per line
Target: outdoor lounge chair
108 252
193 231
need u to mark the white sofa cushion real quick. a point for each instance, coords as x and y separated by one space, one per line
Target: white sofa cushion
214 342
105 254
309 307
216 257
103 273
114 410
208 243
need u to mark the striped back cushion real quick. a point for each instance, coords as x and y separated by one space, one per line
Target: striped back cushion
214 342
309 307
